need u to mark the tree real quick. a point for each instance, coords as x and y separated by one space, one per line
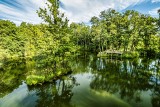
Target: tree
57 26
51 15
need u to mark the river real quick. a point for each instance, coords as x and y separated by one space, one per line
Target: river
94 82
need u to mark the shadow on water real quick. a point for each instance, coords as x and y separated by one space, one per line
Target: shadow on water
93 82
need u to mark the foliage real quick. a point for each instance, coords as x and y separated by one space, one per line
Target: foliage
131 32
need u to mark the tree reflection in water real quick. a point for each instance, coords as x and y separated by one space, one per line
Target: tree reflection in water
156 89
128 78
56 94
11 76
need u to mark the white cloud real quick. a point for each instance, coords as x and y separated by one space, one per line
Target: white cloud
75 10
27 14
155 1
153 12
83 10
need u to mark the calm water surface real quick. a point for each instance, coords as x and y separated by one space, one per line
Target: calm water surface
94 82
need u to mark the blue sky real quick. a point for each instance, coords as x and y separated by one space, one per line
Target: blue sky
76 10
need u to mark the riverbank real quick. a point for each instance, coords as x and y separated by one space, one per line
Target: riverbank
118 54
127 55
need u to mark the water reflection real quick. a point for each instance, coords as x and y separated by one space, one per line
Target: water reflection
56 94
129 79
11 76
93 82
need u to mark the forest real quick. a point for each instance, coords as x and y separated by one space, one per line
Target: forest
113 61
132 33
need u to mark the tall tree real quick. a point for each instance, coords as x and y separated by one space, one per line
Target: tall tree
57 25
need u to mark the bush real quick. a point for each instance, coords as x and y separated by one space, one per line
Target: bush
34 79
129 55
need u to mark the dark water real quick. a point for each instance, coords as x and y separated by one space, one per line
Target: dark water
94 82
